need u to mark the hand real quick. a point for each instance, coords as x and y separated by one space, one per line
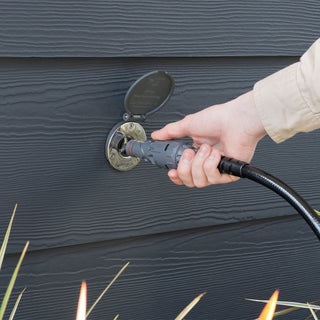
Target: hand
232 129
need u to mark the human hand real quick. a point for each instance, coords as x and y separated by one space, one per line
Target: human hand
232 129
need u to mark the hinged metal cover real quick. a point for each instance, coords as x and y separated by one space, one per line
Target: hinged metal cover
148 94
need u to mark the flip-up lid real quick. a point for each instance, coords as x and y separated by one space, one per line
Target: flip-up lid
148 94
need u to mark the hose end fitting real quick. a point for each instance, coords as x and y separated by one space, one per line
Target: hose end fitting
232 166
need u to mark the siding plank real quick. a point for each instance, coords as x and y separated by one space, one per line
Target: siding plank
230 263
150 28
54 118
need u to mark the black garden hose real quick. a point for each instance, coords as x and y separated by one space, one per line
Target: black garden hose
245 170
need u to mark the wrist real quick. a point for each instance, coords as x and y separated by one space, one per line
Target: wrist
253 124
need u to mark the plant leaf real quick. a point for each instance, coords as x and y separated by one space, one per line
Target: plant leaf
6 238
317 212
188 308
16 304
107 288
270 307
285 311
290 304
313 313
11 283
82 302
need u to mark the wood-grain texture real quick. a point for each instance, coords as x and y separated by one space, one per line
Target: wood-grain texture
149 28
65 67
230 263
54 119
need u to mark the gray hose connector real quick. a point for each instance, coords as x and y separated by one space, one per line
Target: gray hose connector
164 154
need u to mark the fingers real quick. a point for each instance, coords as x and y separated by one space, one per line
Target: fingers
212 172
174 177
199 170
198 174
174 130
185 168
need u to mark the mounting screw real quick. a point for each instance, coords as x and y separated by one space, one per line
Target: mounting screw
126 116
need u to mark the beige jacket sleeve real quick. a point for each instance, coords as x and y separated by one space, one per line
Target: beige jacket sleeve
288 101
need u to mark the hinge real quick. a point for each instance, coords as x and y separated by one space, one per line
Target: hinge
133 117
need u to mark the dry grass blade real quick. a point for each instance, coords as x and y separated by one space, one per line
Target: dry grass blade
13 312
107 288
312 311
6 238
188 308
117 316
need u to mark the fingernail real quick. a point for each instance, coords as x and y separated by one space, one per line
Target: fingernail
186 157
171 175
203 151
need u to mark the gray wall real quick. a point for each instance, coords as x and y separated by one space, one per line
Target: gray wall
65 68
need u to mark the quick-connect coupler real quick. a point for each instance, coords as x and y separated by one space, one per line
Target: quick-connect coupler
164 154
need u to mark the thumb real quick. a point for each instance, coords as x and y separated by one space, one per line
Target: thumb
174 130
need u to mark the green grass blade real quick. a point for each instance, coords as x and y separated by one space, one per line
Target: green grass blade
317 212
188 308
285 311
11 283
106 289
13 312
312 311
291 304
6 238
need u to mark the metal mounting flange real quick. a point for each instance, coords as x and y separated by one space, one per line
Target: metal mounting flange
117 139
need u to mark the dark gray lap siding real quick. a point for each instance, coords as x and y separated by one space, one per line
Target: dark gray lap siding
65 67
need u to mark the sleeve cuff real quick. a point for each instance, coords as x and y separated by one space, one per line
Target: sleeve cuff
281 107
